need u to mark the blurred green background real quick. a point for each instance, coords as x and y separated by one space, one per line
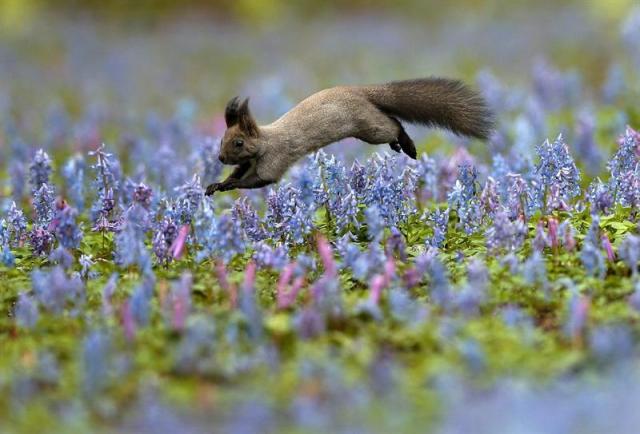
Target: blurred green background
150 54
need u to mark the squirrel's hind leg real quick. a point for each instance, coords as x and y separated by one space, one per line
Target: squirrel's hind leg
403 141
394 145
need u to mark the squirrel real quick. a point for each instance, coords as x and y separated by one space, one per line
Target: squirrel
262 154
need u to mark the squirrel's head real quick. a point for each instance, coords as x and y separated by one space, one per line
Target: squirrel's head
240 140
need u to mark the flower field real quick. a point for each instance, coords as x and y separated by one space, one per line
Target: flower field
485 287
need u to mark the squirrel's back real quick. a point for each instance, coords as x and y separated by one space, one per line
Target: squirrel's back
438 102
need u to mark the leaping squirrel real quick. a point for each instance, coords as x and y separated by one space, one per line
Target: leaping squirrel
263 154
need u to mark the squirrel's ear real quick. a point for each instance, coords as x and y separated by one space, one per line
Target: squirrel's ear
247 122
232 112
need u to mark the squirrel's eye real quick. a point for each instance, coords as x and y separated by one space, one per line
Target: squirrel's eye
238 143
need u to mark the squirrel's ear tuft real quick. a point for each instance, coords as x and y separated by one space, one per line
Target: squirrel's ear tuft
232 112
247 123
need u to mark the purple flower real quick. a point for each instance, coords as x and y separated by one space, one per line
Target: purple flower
426 179
211 166
396 245
163 238
285 290
554 88
189 199
392 188
95 357
287 218
16 225
128 323
267 256
178 245
43 204
614 85
39 170
6 257
41 241
464 200
540 241
62 257
534 270
600 197
17 174
26 312
489 197
557 172
73 173
404 309
139 303
440 221
629 252
474 292
107 294
337 194
606 245
578 313
440 287
142 195
65 228
248 304
130 248
505 234
592 259
224 239
247 217
375 223
106 183
55 290
566 233
628 188
585 144
359 179
179 301
309 323
626 158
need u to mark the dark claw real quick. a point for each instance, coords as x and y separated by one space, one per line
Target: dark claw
213 188
395 146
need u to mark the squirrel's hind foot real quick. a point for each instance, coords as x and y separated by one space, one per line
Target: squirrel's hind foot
407 145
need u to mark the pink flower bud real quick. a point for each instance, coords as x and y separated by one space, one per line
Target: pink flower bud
128 323
178 245
606 244
326 254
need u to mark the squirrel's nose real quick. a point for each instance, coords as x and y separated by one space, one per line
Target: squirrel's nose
221 158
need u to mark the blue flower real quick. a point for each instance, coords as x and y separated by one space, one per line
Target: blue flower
375 223
247 217
440 221
55 290
464 200
26 311
73 173
191 194
65 227
267 256
39 170
16 225
629 252
287 218
43 204
557 172
41 241
96 349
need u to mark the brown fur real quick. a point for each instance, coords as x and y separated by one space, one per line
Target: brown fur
368 113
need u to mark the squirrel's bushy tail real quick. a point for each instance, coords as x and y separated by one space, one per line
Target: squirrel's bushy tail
438 102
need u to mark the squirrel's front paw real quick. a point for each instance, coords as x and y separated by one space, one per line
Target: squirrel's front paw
213 188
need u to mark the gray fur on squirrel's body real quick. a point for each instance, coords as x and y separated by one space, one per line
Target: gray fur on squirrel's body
369 113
